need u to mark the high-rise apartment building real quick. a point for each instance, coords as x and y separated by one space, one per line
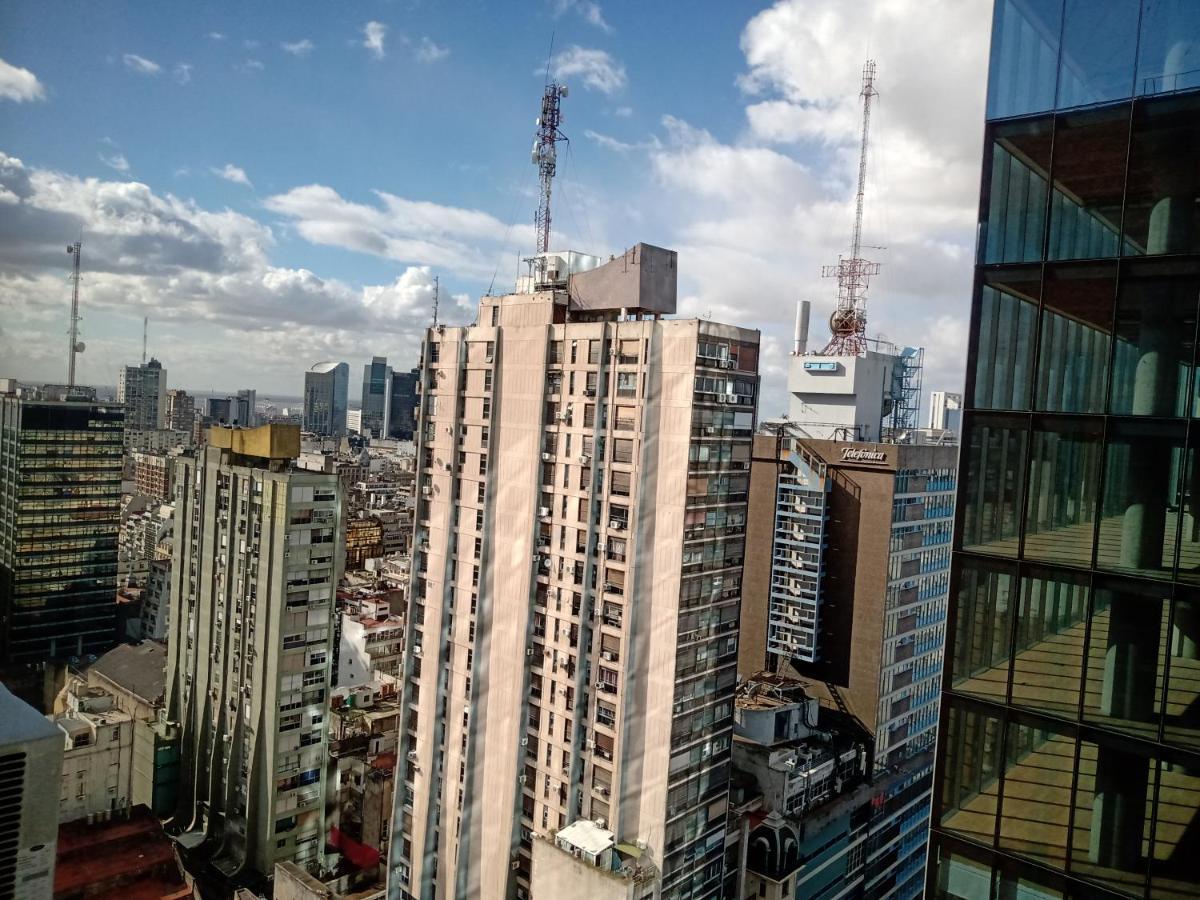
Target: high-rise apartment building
845 591
60 505
326 387
31 751
572 626
402 421
251 647
1069 755
143 390
376 398
180 410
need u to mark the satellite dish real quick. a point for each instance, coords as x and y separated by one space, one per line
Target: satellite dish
562 91
80 346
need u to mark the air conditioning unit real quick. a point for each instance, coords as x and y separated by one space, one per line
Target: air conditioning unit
727 364
449 467
426 490
617 524
589 392
516 864
599 685
416 649
547 457
412 755
543 512
529 651
604 792
606 655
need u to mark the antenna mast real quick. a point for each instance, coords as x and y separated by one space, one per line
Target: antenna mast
848 323
76 345
435 299
145 334
545 156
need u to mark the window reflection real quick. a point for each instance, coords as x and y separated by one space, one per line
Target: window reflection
1182 708
1038 762
1048 644
1127 646
1098 44
1024 62
1007 322
1015 225
1063 469
1089 178
983 630
1163 184
1168 49
1077 313
994 459
969 781
1173 868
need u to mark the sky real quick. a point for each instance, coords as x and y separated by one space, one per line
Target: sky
275 185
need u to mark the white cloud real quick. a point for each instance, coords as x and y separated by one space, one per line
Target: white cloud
612 143
215 36
140 64
19 84
230 172
373 36
251 66
597 68
427 51
206 277
466 241
623 111
115 161
182 72
587 10
298 48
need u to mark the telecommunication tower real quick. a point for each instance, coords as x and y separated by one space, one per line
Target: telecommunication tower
76 345
545 157
848 324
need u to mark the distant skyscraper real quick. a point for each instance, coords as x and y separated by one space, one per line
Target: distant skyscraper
60 504
1069 752
572 639
247 407
326 388
233 410
180 410
945 411
31 751
377 397
402 423
143 390
251 644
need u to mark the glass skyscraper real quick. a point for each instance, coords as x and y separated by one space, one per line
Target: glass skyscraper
1069 757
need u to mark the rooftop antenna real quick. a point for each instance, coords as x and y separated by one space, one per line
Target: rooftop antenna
145 333
545 152
848 323
435 300
76 345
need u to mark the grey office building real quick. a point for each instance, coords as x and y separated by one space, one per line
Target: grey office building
326 387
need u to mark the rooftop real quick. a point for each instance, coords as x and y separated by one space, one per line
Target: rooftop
140 669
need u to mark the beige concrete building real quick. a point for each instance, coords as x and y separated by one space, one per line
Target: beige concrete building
251 645
572 628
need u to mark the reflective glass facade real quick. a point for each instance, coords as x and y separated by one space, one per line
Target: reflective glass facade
1069 755
60 501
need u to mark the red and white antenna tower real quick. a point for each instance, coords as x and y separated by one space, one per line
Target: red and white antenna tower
848 323
76 345
545 157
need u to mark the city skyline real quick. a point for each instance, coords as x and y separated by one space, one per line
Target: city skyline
272 254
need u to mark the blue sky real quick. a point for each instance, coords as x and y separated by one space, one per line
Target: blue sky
278 184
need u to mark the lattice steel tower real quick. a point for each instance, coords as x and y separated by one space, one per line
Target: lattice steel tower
848 323
545 157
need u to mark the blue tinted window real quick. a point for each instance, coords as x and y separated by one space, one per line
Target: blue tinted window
1024 63
1099 39
1169 48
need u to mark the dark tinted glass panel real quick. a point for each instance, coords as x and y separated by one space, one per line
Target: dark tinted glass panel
1114 805
1168 50
1182 712
1174 871
1077 311
969 780
1063 471
1161 210
1089 180
1015 222
960 877
1098 44
994 459
1126 656
1024 62
1139 523
1187 513
1016 881
1038 762
983 629
1007 325
1155 331
1048 645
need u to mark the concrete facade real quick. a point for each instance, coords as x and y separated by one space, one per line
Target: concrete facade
250 652
572 621
97 759
143 391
